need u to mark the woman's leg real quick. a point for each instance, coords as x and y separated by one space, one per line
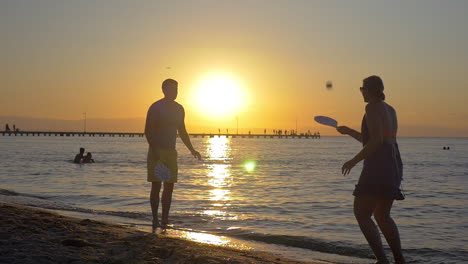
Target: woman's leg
389 228
363 209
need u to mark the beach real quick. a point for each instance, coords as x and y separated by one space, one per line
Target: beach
30 235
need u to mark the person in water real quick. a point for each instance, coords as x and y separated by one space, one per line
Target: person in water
382 173
164 119
79 156
88 158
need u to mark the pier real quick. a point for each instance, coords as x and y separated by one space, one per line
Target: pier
125 134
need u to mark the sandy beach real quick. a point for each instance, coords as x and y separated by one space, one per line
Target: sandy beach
30 235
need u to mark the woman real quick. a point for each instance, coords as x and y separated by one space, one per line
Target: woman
379 183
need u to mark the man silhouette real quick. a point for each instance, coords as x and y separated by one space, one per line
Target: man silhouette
164 119
79 156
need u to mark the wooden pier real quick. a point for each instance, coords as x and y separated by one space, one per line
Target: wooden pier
122 134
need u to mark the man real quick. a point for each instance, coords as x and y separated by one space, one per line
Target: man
79 156
164 119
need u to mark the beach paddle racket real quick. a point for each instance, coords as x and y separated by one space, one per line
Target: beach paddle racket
162 172
325 120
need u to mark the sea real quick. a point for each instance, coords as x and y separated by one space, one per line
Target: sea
285 196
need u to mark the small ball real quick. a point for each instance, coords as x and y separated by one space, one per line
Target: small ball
329 85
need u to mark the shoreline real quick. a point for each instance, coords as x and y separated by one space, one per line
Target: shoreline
32 235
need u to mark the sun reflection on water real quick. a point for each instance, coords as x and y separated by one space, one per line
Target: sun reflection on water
219 148
219 175
219 178
213 240
206 238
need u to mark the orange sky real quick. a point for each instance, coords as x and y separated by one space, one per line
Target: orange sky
108 59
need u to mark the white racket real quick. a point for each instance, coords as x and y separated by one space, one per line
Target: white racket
162 172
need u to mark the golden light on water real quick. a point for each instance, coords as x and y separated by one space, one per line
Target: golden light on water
219 195
213 240
206 238
219 95
218 148
219 178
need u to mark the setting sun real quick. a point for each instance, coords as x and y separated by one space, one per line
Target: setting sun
219 95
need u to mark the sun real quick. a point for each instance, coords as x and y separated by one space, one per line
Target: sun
219 95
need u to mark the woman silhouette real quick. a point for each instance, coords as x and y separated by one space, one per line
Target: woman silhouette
379 183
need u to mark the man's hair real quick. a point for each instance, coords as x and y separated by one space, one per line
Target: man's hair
168 82
81 149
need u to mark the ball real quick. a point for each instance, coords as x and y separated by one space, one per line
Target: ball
329 85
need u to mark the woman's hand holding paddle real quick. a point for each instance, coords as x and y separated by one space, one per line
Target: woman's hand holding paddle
328 121
349 131
344 130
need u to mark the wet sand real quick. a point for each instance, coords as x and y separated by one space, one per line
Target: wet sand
30 235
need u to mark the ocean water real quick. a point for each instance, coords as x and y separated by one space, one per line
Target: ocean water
285 194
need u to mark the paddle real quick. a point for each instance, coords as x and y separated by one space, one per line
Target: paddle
325 120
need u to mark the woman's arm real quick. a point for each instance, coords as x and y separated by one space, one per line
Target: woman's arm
374 123
349 131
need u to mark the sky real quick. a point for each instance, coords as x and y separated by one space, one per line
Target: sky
60 59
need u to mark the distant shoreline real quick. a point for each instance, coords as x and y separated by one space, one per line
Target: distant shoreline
141 134
129 134
136 125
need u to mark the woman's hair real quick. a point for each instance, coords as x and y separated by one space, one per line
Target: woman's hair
374 85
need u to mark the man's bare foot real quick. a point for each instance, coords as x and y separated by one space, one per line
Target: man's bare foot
164 224
155 225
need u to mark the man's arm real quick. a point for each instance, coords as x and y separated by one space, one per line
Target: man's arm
150 126
186 139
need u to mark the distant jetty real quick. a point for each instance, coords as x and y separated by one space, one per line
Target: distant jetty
124 134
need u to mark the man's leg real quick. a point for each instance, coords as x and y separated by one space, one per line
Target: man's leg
389 228
363 210
166 202
154 200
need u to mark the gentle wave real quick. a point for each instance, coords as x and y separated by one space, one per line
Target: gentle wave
13 193
319 245
414 255
32 200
